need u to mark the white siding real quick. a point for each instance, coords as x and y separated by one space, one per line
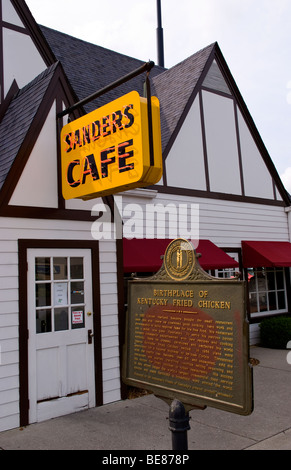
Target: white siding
10 231
255 335
78 204
109 322
225 223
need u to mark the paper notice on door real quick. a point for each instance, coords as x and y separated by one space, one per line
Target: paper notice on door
60 293
77 317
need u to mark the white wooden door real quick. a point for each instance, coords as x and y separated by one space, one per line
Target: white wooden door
60 322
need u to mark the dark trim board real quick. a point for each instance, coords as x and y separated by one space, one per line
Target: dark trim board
47 213
121 311
1 58
203 133
14 27
218 196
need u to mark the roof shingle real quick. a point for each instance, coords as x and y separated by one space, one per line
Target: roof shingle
90 68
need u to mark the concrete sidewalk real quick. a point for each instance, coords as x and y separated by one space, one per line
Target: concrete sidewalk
142 424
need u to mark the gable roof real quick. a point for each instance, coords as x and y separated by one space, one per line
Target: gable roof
19 117
90 68
175 87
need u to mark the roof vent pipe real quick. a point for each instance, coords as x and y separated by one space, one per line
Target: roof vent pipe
160 36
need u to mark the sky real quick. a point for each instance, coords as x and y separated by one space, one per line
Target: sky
254 37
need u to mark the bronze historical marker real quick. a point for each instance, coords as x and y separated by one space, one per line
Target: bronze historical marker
188 335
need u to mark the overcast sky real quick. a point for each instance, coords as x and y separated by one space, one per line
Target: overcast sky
254 36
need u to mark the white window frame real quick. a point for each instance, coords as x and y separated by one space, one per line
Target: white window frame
259 292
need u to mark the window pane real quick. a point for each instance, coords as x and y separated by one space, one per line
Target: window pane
280 280
61 319
43 321
261 280
60 269
271 280
77 293
42 269
77 268
252 284
78 318
272 301
263 302
43 295
281 301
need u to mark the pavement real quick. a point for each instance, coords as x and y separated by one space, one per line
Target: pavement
142 423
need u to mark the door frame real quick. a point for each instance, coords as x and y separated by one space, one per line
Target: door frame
23 246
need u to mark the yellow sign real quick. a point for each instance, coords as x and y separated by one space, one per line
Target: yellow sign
108 151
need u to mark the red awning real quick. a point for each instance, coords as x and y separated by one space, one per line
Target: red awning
213 257
266 254
144 255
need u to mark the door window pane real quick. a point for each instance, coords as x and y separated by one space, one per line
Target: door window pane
78 318
60 269
77 292
61 319
77 271
43 321
42 269
43 295
60 293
